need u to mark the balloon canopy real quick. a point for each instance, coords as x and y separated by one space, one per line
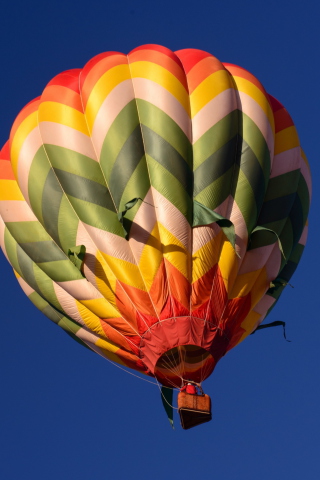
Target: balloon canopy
154 205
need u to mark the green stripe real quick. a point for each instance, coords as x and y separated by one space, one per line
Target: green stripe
261 238
43 251
286 238
217 192
161 151
276 226
26 267
45 287
297 220
129 157
304 197
73 162
85 189
256 141
121 128
38 174
167 184
245 200
282 185
137 187
250 166
276 209
97 216
61 270
159 122
215 166
288 270
297 253
25 232
67 224
11 250
215 138
38 301
51 200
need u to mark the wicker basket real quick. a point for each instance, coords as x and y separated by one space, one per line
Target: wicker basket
194 409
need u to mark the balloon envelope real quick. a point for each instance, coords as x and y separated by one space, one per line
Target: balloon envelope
154 205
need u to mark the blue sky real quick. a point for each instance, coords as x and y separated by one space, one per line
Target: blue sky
65 412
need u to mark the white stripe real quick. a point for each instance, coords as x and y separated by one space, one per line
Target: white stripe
157 95
67 137
251 108
80 289
16 211
286 161
213 112
29 148
117 99
172 219
111 244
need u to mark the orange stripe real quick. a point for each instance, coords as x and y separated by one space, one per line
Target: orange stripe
90 78
140 299
63 95
158 48
25 112
202 70
241 72
190 57
6 172
114 335
161 59
159 289
179 287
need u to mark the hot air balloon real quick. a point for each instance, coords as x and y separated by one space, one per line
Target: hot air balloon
154 205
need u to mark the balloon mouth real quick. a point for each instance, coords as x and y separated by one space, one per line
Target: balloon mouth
182 348
184 362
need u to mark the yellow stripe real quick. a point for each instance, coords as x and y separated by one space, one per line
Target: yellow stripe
17 275
106 83
151 258
208 89
105 280
178 257
206 257
245 283
106 345
249 88
18 140
100 308
125 272
89 318
9 190
228 264
163 77
286 139
64 115
249 324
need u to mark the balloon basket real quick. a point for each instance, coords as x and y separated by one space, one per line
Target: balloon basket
193 409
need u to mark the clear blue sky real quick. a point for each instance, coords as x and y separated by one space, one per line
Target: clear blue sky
67 413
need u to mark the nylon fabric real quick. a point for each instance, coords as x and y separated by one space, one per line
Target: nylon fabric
155 202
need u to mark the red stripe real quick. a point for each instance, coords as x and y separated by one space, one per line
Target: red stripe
69 79
190 57
158 48
24 113
5 152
